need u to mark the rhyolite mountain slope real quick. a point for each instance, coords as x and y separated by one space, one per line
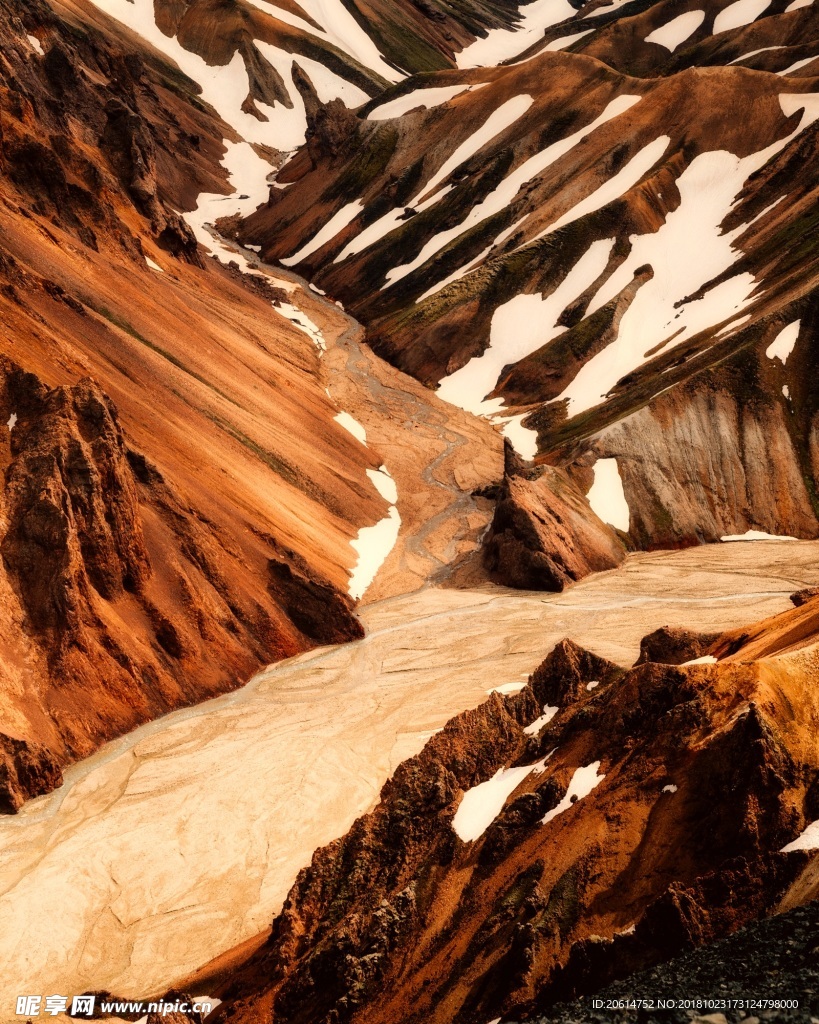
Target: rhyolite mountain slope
178 495
608 249
599 821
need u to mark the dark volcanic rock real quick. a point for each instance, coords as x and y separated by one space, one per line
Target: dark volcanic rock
668 646
776 959
544 534
72 504
695 780
27 769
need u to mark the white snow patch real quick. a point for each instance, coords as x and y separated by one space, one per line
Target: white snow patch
301 320
381 227
564 41
502 44
593 684
384 484
786 391
548 714
676 31
612 5
706 659
797 4
225 88
740 13
426 98
288 125
373 544
154 266
254 248
352 426
753 53
334 225
796 66
682 263
524 439
520 327
804 102
583 782
506 688
36 44
248 175
500 198
783 344
497 123
480 805
606 496
670 788
754 535
809 840
497 200
12 422
614 187
341 28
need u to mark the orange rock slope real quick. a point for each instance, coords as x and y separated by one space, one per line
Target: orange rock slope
599 821
178 502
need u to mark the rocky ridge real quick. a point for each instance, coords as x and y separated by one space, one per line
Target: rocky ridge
647 812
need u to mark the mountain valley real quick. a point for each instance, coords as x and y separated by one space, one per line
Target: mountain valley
411 444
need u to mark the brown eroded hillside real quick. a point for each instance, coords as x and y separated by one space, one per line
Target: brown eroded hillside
178 498
599 821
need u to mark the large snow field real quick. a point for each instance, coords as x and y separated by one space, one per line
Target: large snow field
502 44
687 252
520 327
675 32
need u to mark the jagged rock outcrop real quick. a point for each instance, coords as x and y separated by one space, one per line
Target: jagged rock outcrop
645 817
127 632
709 459
71 503
667 646
767 957
27 769
544 535
803 596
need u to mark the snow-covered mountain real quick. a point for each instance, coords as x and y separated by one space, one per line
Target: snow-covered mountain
604 246
313 303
